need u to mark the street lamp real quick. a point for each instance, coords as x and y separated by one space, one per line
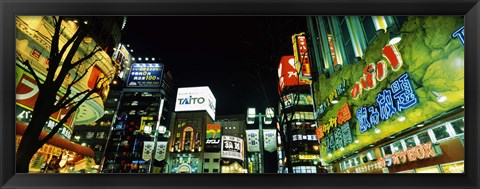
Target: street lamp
267 119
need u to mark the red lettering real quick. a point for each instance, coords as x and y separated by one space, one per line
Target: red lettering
381 70
428 150
344 114
391 53
403 156
419 152
356 90
411 154
395 159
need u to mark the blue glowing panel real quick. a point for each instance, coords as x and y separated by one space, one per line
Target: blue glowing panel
403 92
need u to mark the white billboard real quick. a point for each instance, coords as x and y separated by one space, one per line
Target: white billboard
194 99
232 147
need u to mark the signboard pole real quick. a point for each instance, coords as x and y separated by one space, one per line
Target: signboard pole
261 142
155 138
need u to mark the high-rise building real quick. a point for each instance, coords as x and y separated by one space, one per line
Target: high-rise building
194 110
235 126
138 137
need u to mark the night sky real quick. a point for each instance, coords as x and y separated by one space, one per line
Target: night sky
236 56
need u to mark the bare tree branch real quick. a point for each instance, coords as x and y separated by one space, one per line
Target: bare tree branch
71 111
87 57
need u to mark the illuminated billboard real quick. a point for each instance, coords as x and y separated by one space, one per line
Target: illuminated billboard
145 75
288 74
195 99
232 147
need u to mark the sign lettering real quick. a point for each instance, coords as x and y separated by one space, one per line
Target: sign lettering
377 72
400 96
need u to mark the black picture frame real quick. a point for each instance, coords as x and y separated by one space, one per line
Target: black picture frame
10 8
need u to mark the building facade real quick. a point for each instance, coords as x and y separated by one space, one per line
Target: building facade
138 136
33 42
389 92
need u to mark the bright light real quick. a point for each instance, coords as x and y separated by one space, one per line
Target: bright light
77 137
315 147
140 59
357 141
133 58
329 155
84 144
401 118
440 98
377 130
420 125
114 81
342 148
394 40
251 113
153 59
85 22
146 59
334 101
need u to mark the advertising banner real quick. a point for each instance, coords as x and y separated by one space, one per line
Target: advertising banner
212 136
147 150
253 144
161 150
288 74
301 99
26 97
145 75
195 99
270 139
232 147
300 49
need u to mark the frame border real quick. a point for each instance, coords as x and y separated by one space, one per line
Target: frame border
10 8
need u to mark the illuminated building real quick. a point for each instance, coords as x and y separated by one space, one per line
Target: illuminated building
297 110
138 136
194 111
232 125
33 41
381 107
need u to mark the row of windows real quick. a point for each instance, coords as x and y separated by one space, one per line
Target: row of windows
208 170
436 134
215 160
445 131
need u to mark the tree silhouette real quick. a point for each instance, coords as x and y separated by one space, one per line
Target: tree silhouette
64 60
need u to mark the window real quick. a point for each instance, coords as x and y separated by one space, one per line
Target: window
458 126
410 142
347 42
424 138
89 135
215 170
101 135
205 170
215 160
386 150
370 156
397 146
441 132
207 160
368 28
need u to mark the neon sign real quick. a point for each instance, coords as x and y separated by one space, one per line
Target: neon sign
377 72
343 115
338 91
419 152
460 34
400 96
